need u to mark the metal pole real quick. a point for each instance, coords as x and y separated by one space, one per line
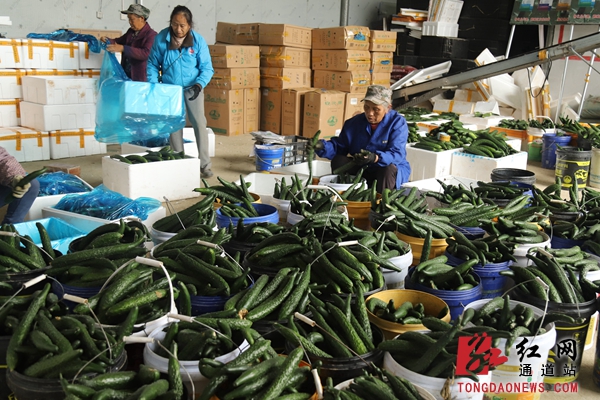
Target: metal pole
562 82
587 82
510 39
344 12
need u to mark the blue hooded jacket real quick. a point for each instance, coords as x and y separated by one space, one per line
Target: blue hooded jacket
388 142
186 67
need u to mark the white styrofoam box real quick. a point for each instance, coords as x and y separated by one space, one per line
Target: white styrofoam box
53 72
531 76
25 144
74 143
426 164
320 168
190 148
35 211
488 106
174 179
444 29
11 83
50 54
450 11
505 91
58 117
485 57
467 95
59 89
264 184
89 72
458 107
515 143
90 60
429 125
11 55
432 184
481 122
10 112
480 168
212 145
88 224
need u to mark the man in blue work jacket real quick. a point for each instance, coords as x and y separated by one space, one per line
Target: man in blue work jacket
381 132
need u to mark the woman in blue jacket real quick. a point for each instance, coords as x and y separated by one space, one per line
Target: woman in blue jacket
382 132
180 56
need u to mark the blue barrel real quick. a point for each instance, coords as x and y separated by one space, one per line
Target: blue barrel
562 243
493 283
549 148
266 212
61 289
268 158
456 300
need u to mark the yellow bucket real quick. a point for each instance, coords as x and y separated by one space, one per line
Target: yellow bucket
359 210
438 246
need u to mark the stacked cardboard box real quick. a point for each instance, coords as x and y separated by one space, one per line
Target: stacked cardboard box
285 76
231 98
382 45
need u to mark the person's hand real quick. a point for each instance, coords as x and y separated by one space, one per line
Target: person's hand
319 146
365 157
196 89
115 48
19 191
104 39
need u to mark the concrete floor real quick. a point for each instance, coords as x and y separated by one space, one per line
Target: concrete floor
232 160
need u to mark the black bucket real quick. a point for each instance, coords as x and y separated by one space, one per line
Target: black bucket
17 279
4 390
572 164
234 246
513 175
567 353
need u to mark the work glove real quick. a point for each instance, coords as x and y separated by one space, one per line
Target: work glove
196 89
320 145
19 191
365 157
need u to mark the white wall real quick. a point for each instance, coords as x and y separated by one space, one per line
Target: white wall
45 16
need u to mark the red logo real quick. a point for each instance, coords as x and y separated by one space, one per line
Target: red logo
476 355
191 51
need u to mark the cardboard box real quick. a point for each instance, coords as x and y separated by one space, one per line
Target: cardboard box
382 41
251 110
98 33
11 54
40 53
426 164
25 144
11 83
353 105
235 78
59 90
226 32
284 56
324 111
341 60
243 34
56 117
341 37
285 35
270 109
10 112
382 62
348 81
381 78
153 179
231 56
35 211
74 143
224 111
285 78
292 106
480 168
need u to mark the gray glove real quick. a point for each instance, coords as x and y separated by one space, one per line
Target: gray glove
319 146
19 191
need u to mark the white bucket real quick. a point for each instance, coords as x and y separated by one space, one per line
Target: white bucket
282 208
395 279
509 371
436 385
520 252
425 395
331 181
293 218
162 364
159 237
595 169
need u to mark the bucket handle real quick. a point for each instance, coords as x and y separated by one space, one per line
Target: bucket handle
323 187
548 118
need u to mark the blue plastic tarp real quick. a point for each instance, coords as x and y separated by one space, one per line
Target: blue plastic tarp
60 232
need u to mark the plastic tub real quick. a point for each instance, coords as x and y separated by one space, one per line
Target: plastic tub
534 152
595 169
509 372
549 148
161 364
521 250
266 212
456 300
513 175
562 243
359 210
493 283
433 306
395 279
572 165
331 181
268 158
570 338
438 246
282 208
424 393
435 386
234 246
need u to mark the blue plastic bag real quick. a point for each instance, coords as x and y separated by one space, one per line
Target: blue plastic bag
64 35
128 111
52 183
106 204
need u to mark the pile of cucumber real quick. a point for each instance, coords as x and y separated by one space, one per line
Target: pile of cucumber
517 124
227 192
489 145
434 144
486 250
436 274
514 231
458 133
380 385
283 191
164 154
413 133
201 213
21 254
405 313
255 232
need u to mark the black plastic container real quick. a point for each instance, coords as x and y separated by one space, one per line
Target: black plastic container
513 175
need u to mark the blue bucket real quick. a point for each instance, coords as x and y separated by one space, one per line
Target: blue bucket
60 289
562 243
266 212
470 232
549 148
493 283
456 300
268 158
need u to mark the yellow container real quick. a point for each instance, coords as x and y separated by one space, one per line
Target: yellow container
438 246
433 306
359 210
217 204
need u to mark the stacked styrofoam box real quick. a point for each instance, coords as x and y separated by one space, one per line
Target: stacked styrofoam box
25 144
11 72
50 54
443 18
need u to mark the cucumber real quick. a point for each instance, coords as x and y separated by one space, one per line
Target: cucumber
287 369
45 366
